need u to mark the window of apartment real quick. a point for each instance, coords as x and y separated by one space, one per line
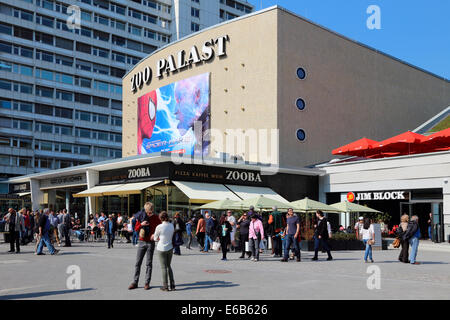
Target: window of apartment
101 118
66 147
23 88
115 88
195 12
137 31
44 127
118 41
43 163
101 19
86 150
84 133
82 82
44 92
64 78
63 60
62 25
116 121
5 85
44 55
101 4
148 48
44 38
64 43
24 33
45 146
5 28
86 16
100 52
64 95
116 104
5 122
83 65
118 9
22 14
82 98
134 14
99 35
100 85
6 47
60 7
101 102
22 124
63 113
25 143
82 115
82 47
134 45
25 162
43 109
195 27
6 104
118 56
116 72
44 74
132 60
101 152
23 106
101 69
45 21
103 135
118 24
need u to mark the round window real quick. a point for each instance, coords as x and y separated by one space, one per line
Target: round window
301 73
300 104
301 135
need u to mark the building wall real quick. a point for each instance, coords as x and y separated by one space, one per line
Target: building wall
350 92
243 84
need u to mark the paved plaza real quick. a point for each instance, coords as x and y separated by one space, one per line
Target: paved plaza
106 274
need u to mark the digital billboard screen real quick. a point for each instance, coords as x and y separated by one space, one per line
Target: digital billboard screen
166 117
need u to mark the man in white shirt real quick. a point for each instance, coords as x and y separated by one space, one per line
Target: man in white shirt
358 227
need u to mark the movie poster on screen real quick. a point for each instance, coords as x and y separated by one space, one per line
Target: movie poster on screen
166 117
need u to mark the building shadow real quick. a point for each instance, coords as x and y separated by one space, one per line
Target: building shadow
205 285
41 294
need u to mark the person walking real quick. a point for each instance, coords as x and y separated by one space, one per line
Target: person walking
200 232
291 233
67 226
146 223
243 225
54 227
276 222
358 227
164 233
321 236
412 234
16 227
401 230
368 237
110 228
209 235
189 234
255 235
224 232
44 228
430 227
179 227
232 220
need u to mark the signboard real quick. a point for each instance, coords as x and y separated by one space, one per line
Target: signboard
19 187
184 172
381 195
78 179
174 118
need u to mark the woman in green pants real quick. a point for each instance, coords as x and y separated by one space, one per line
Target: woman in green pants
164 234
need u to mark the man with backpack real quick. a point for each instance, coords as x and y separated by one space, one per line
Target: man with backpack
44 228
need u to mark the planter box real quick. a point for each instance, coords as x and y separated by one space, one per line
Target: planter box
335 245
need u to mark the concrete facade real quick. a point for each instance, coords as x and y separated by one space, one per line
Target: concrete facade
350 90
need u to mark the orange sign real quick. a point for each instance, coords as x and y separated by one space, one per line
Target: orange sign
350 197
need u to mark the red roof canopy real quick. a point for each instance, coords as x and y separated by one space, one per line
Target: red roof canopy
356 148
440 139
405 143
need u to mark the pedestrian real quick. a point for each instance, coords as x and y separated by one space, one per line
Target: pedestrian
110 228
224 232
179 227
16 227
255 235
358 227
368 237
401 230
232 220
54 227
146 223
276 222
430 226
412 234
67 226
321 236
44 228
164 233
201 232
291 233
36 218
189 234
27 227
243 225
210 232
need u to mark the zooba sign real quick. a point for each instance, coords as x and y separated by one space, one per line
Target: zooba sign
181 61
387 195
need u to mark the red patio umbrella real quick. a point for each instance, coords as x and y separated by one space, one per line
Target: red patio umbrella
438 140
359 148
405 143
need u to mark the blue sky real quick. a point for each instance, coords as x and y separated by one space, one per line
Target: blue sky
415 31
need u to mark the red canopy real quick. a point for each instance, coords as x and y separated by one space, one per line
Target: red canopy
357 148
438 140
405 143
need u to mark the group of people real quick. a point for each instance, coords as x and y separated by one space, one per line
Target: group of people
46 226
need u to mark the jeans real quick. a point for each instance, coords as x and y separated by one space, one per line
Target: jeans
135 237
317 242
45 239
414 241
291 240
368 252
207 241
189 242
111 238
80 235
277 246
143 249
165 258
254 245
429 233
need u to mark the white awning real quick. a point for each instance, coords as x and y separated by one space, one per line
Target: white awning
205 192
96 191
247 192
131 188
23 194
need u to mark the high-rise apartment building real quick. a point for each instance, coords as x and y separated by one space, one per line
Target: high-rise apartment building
60 82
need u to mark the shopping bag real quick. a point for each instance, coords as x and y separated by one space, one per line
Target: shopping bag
269 243
247 246
216 245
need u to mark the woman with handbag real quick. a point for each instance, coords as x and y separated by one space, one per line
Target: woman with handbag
164 233
404 253
224 232
256 234
368 237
